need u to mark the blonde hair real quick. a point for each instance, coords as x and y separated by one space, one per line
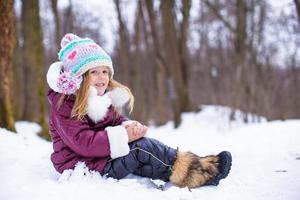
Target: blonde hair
79 109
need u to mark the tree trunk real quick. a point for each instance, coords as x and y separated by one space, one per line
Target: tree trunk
243 89
297 4
57 23
295 88
35 101
123 45
68 22
136 76
7 45
176 87
161 71
184 53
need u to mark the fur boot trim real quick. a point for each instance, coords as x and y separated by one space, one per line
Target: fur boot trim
193 171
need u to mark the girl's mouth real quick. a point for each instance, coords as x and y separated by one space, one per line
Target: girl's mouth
100 84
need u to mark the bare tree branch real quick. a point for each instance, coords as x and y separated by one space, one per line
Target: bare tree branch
218 15
297 3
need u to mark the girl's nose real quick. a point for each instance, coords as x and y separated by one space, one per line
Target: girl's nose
101 75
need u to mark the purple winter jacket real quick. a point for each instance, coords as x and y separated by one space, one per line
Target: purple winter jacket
75 140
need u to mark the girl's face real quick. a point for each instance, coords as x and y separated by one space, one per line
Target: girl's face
99 78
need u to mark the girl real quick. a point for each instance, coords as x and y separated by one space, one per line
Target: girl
85 124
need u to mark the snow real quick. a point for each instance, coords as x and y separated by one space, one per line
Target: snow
266 162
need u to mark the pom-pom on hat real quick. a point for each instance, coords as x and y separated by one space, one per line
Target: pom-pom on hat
77 56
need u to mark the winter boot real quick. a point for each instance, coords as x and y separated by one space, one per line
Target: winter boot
225 161
192 171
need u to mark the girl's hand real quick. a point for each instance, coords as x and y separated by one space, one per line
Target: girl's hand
135 131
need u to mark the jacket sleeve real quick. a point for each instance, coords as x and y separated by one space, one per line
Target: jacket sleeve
119 119
80 138
113 141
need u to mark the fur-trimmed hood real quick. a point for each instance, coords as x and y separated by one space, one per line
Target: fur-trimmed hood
97 105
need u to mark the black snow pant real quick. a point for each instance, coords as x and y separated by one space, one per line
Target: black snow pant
147 157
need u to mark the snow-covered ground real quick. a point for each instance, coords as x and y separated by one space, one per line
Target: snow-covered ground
266 163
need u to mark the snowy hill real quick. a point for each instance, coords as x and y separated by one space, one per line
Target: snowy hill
266 163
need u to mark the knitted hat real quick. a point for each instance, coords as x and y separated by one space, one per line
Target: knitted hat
77 56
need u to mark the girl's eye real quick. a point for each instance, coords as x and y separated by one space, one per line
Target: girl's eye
94 72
